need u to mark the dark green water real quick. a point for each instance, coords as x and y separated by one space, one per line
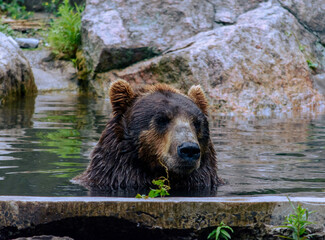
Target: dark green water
44 142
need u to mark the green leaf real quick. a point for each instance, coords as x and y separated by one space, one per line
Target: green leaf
218 232
228 228
212 233
139 196
225 234
154 193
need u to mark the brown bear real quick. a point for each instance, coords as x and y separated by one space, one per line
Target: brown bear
153 130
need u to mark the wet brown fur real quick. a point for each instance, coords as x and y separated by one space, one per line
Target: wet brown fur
153 146
126 156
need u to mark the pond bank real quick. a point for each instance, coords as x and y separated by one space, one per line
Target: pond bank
161 218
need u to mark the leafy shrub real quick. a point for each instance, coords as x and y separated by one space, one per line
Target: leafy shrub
15 9
6 29
64 34
51 6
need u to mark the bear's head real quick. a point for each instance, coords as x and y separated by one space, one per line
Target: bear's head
168 128
155 130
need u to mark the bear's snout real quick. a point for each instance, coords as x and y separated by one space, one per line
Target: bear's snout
189 151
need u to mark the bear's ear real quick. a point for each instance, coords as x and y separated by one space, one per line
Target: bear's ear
198 97
121 96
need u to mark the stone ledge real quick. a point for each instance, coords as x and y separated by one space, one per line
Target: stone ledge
176 214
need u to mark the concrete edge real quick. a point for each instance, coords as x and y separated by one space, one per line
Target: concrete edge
175 213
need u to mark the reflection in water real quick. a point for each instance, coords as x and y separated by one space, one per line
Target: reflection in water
17 114
46 142
44 148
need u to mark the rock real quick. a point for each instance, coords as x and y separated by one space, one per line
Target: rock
309 13
27 42
227 11
51 74
255 67
116 34
319 80
16 77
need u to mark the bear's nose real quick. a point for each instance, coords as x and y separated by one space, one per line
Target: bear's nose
188 151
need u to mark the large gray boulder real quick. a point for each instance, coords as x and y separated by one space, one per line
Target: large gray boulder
256 67
16 77
116 34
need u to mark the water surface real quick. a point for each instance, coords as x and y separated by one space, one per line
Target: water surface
45 142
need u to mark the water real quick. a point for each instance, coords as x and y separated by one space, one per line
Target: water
45 142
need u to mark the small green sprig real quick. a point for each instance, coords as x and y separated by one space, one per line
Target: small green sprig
163 187
312 65
221 232
297 223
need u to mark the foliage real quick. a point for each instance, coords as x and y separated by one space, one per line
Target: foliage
297 223
221 232
64 33
162 191
6 29
163 188
15 9
51 6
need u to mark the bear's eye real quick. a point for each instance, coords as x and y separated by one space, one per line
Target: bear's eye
197 124
162 120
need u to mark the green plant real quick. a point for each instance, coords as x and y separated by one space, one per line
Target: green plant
297 223
51 6
312 65
15 9
162 191
221 232
6 29
64 33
